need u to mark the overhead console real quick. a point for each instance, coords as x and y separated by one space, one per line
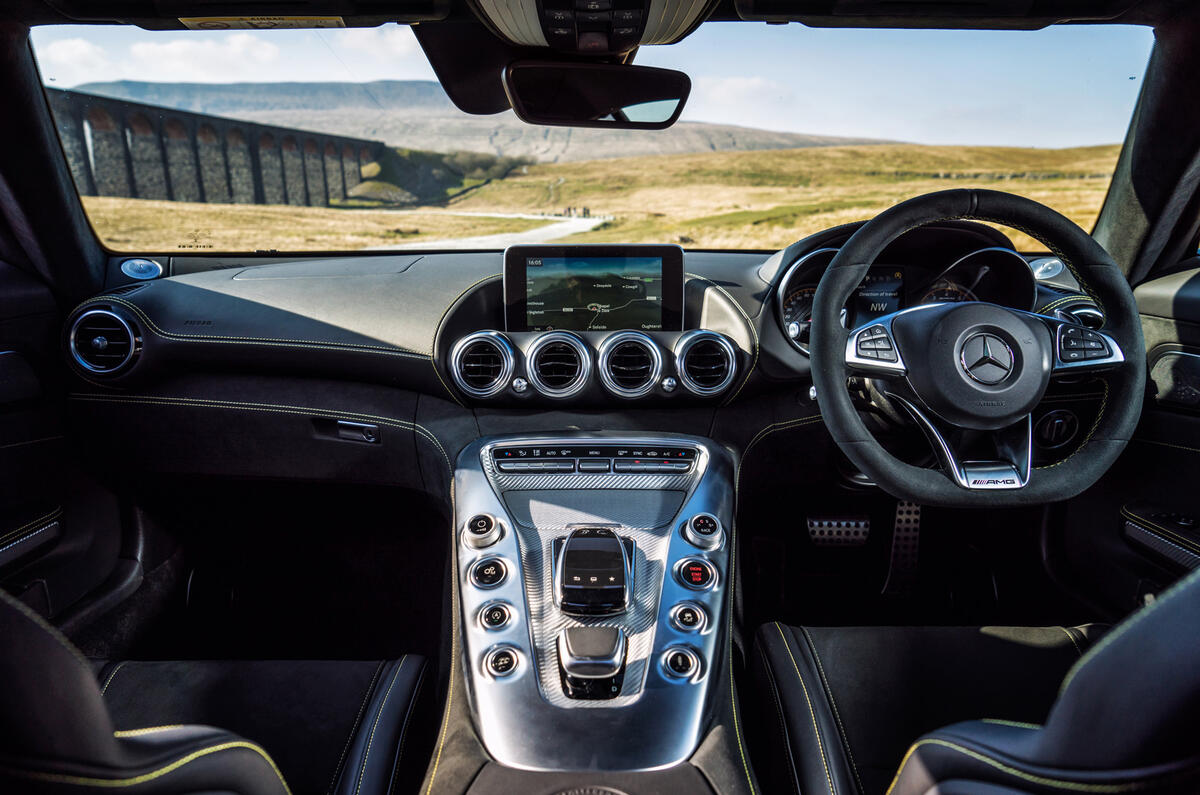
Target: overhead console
598 27
593 323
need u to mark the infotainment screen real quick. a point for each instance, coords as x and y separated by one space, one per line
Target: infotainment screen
593 288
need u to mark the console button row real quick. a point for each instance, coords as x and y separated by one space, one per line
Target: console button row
536 466
652 466
568 450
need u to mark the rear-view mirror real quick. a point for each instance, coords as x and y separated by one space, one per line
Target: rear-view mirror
616 96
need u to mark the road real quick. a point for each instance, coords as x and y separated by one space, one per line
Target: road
555 228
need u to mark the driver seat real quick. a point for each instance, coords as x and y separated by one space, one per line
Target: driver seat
991 710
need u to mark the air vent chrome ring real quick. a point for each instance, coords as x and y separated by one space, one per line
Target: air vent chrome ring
101 343
685 347
539 346
611 344
504 351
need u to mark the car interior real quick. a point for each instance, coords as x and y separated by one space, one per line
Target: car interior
902 506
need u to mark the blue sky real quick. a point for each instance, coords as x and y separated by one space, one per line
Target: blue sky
1064 86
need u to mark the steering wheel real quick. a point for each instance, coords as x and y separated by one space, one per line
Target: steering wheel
971 373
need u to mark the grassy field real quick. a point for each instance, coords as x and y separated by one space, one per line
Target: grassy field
160 226
768 199
761 199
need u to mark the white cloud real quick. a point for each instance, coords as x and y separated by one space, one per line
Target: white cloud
233 57
385 43
67 62
745 101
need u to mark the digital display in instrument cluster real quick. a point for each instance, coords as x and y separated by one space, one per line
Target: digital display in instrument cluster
878 295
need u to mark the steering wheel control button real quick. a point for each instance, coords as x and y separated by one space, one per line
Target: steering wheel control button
495 616
482 530
696 573
1079 344
703 530
874 344
680 662
689 617
501 662
488 573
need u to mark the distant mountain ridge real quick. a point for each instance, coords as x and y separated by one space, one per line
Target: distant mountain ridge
417 114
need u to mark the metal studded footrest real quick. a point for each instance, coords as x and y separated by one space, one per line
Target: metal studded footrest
843 531
906 538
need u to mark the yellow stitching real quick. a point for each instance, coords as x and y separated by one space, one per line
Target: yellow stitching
1127 625
44 625
453 657
1186 542
111 675
147 730
1169 444
1074 642
60 778
354 727
829 692
273 341
438 328
1012 771
737 726
811 713
787 742
371 737
749 323
1091 430
271 408
57 512
1082 299
1014 723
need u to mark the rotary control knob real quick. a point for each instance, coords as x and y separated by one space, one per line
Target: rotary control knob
482 530
703 530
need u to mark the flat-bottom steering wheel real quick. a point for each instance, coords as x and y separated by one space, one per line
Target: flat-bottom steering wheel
971 373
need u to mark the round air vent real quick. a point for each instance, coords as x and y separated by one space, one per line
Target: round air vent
706 362
102 342
559 364
482 363
630 364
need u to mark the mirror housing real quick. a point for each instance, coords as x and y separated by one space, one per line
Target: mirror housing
613 96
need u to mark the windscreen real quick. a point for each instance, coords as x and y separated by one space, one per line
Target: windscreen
232 141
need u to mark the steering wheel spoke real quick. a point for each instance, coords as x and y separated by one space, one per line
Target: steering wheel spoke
1012 445
872 350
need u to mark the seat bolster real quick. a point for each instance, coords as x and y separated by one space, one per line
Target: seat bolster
377 751
998 754
167 759
804 732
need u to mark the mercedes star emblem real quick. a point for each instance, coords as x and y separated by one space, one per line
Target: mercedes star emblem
986 358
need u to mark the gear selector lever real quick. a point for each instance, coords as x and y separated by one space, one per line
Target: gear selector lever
593 573
591 661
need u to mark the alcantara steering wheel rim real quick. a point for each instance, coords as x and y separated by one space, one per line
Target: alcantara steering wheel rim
1035 346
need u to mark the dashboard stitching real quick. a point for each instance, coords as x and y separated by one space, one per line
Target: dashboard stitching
57 512
749 323
438 328
272 341
269 408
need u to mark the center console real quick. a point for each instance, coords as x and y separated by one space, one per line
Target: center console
593 572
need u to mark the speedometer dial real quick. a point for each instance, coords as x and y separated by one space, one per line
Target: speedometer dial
945 291
797 314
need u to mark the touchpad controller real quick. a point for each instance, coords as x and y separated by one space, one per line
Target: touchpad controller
593 572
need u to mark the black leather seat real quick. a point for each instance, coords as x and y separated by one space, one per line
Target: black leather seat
983 710
149 727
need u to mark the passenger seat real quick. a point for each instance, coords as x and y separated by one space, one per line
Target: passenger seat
256 727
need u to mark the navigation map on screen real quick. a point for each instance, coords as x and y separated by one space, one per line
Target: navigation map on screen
594 293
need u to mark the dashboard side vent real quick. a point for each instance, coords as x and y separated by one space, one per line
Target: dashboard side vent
103 342
559 364
630 364
481 364
706 362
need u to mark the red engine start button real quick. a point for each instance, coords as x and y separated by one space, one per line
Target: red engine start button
697 574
